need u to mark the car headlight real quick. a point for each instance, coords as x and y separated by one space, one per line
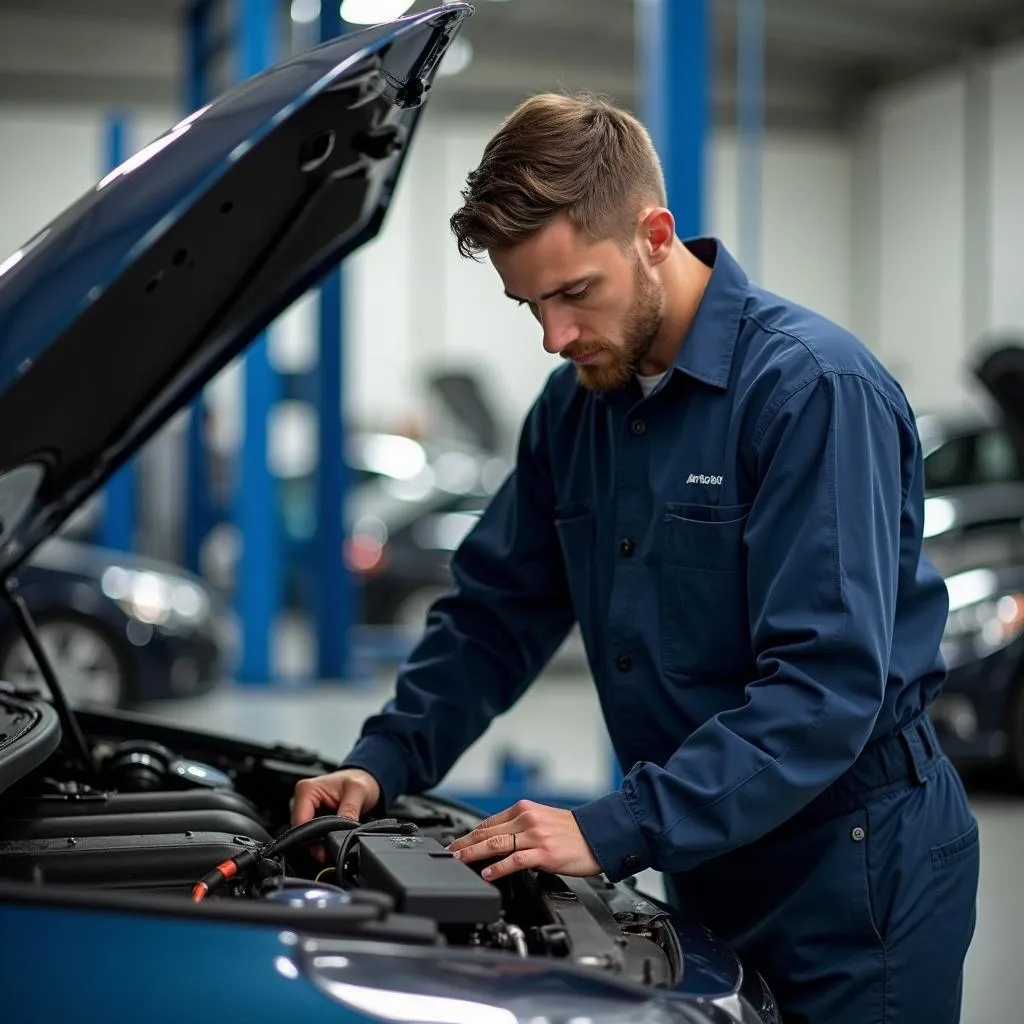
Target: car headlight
980 617
158 599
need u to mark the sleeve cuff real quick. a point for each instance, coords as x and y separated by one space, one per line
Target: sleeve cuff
617 843
385 762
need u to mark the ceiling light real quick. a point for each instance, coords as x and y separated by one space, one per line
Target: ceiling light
305 11
373 12
457 59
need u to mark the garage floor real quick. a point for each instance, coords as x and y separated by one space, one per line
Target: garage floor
559 724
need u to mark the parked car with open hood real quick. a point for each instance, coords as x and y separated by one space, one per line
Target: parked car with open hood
974 522
146 872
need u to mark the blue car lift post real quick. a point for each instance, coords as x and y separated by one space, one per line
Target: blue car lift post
117 526
258 582
335 598
199 514
673 48
250 41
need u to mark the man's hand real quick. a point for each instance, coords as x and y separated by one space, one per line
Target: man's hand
350 792
546 838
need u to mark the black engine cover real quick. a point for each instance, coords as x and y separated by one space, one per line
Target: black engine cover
113 814
154 863
156 842
424 878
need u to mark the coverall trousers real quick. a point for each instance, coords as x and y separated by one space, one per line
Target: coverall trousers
859 910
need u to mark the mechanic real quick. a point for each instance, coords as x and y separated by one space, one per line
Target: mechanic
724 489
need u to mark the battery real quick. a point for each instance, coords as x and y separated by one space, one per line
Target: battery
424 878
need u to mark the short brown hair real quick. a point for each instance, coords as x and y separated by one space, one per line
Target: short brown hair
573 155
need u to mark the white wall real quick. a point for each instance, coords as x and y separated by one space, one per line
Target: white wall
922 236
412 301
1008 191
939 222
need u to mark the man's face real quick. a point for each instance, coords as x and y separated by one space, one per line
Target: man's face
598 305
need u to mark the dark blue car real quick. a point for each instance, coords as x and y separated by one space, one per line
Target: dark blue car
120 629
974 522
149 873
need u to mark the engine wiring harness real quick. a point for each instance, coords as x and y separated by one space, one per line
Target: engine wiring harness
264 860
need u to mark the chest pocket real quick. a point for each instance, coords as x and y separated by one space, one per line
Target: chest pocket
705 625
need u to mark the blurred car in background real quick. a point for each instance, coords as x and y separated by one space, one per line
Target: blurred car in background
119 629
409 504
974 534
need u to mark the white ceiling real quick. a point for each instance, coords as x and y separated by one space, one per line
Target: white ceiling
821 56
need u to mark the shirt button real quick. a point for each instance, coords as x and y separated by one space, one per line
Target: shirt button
638 426
625 662
627 547
631 863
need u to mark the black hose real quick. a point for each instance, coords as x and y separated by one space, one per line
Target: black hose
308 832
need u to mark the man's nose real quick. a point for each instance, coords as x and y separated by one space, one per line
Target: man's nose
559 333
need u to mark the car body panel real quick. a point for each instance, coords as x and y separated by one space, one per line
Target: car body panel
130 301
142 967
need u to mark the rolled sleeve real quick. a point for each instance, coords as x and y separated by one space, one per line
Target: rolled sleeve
822 543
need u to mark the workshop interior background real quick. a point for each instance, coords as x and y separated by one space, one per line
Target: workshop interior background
860 156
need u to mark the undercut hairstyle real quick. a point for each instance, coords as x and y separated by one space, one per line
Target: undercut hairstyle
553 155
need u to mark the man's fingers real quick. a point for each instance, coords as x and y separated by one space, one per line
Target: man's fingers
303 806
507 815
521 860
350 811
496 845
487 830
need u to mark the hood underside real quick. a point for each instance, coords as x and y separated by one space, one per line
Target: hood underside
1000 369
118 312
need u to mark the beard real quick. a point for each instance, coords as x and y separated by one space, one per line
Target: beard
640 327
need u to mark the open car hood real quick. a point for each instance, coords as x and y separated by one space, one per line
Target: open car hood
1001 371
118 312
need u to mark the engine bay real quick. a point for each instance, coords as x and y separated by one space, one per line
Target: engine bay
172 821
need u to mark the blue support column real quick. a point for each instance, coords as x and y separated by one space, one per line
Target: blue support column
119 500
198 513
750 126
258 582
674 65
673 57
335 587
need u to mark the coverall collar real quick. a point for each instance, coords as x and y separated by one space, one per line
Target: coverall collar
706 353
707 350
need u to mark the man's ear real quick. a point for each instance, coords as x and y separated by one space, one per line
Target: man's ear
658 233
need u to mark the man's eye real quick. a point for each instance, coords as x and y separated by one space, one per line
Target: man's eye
577 295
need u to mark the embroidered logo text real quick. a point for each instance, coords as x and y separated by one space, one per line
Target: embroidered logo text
708 481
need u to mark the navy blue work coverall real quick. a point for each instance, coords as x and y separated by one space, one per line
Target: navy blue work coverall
742 552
